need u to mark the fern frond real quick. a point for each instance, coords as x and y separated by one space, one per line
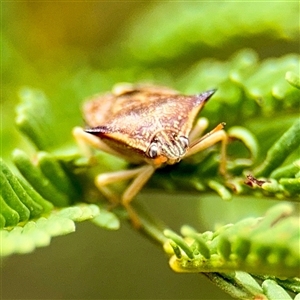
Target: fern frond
29 208
269 242
47 187
267 245
19 201
251 95
278 180
38 233
107 220
31 213
247 88
281 180
288 179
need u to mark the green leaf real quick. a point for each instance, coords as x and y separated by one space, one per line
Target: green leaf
53 170
80 213
35 196
278 153
34 208
248 282
38 233
288 171
264 246
107 220
34 118
9 217
180 242
38 180
274 291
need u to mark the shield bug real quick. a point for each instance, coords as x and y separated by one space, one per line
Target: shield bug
150 126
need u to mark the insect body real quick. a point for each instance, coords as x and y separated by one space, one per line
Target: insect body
147 125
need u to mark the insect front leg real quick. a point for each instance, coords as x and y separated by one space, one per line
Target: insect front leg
141 175
214 136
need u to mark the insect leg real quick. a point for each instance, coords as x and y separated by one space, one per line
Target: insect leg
105 179
141 175
214 136
135 186
145 172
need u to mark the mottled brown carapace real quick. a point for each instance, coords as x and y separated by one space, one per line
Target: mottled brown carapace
147 125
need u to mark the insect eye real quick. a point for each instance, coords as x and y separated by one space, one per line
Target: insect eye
184 141
153 150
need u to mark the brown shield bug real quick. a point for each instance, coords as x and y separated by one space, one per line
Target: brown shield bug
150 126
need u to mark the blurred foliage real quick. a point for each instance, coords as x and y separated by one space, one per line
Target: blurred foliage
68 52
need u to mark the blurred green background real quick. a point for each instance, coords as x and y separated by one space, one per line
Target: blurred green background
71 50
